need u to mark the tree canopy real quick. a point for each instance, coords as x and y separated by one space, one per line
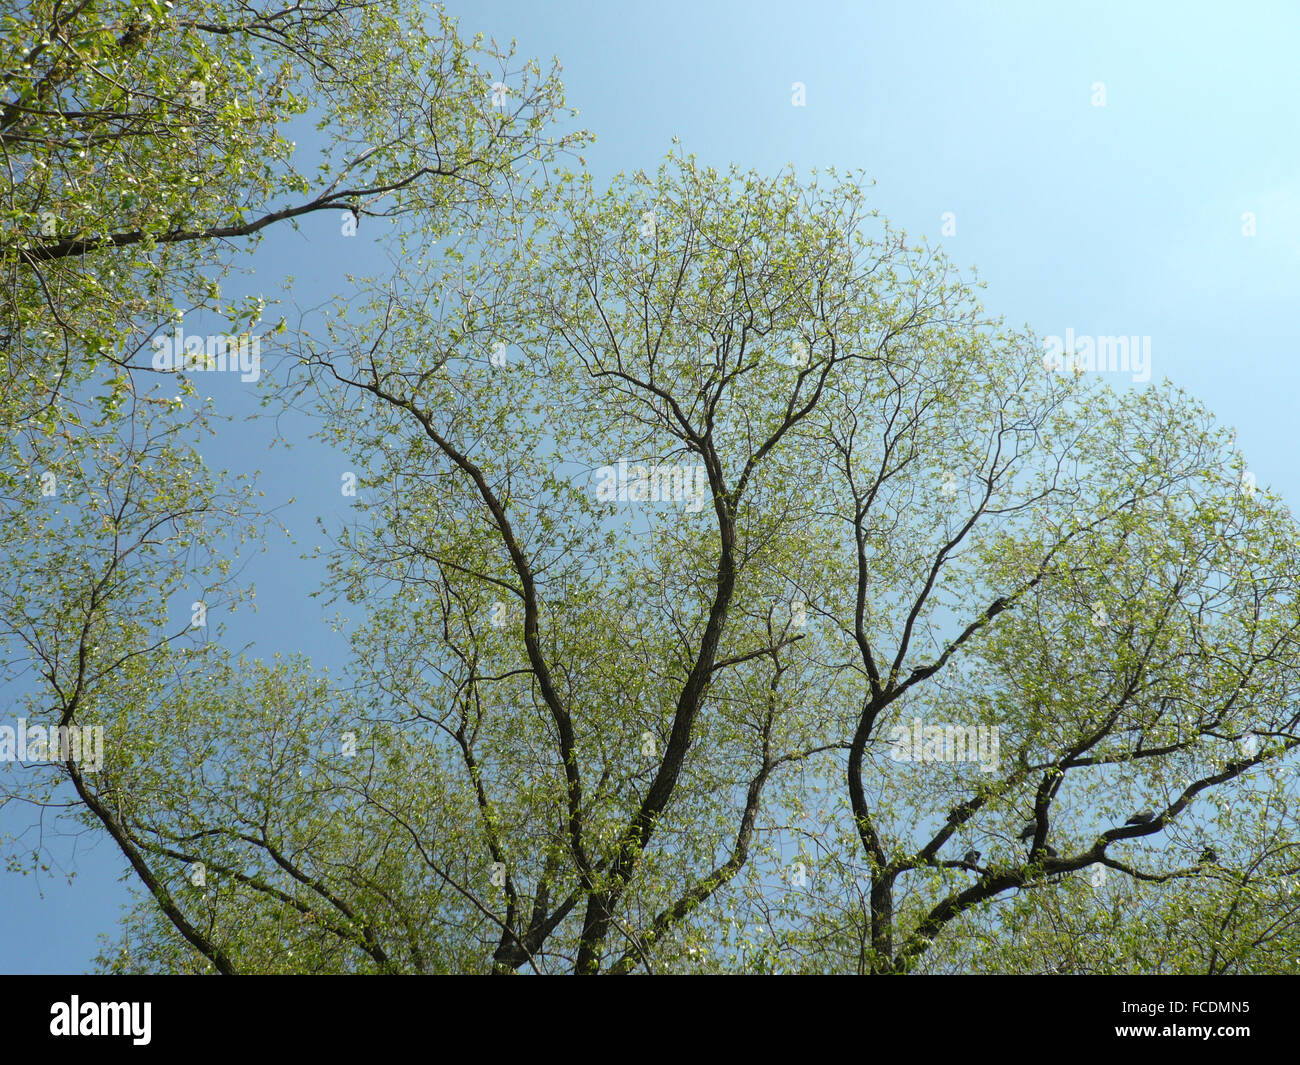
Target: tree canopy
732 592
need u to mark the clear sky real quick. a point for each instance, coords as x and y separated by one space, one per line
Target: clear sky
1122 219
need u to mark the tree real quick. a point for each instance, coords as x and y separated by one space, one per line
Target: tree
147 142
725 572
147 148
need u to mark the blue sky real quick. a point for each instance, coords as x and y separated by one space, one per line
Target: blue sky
1118 219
